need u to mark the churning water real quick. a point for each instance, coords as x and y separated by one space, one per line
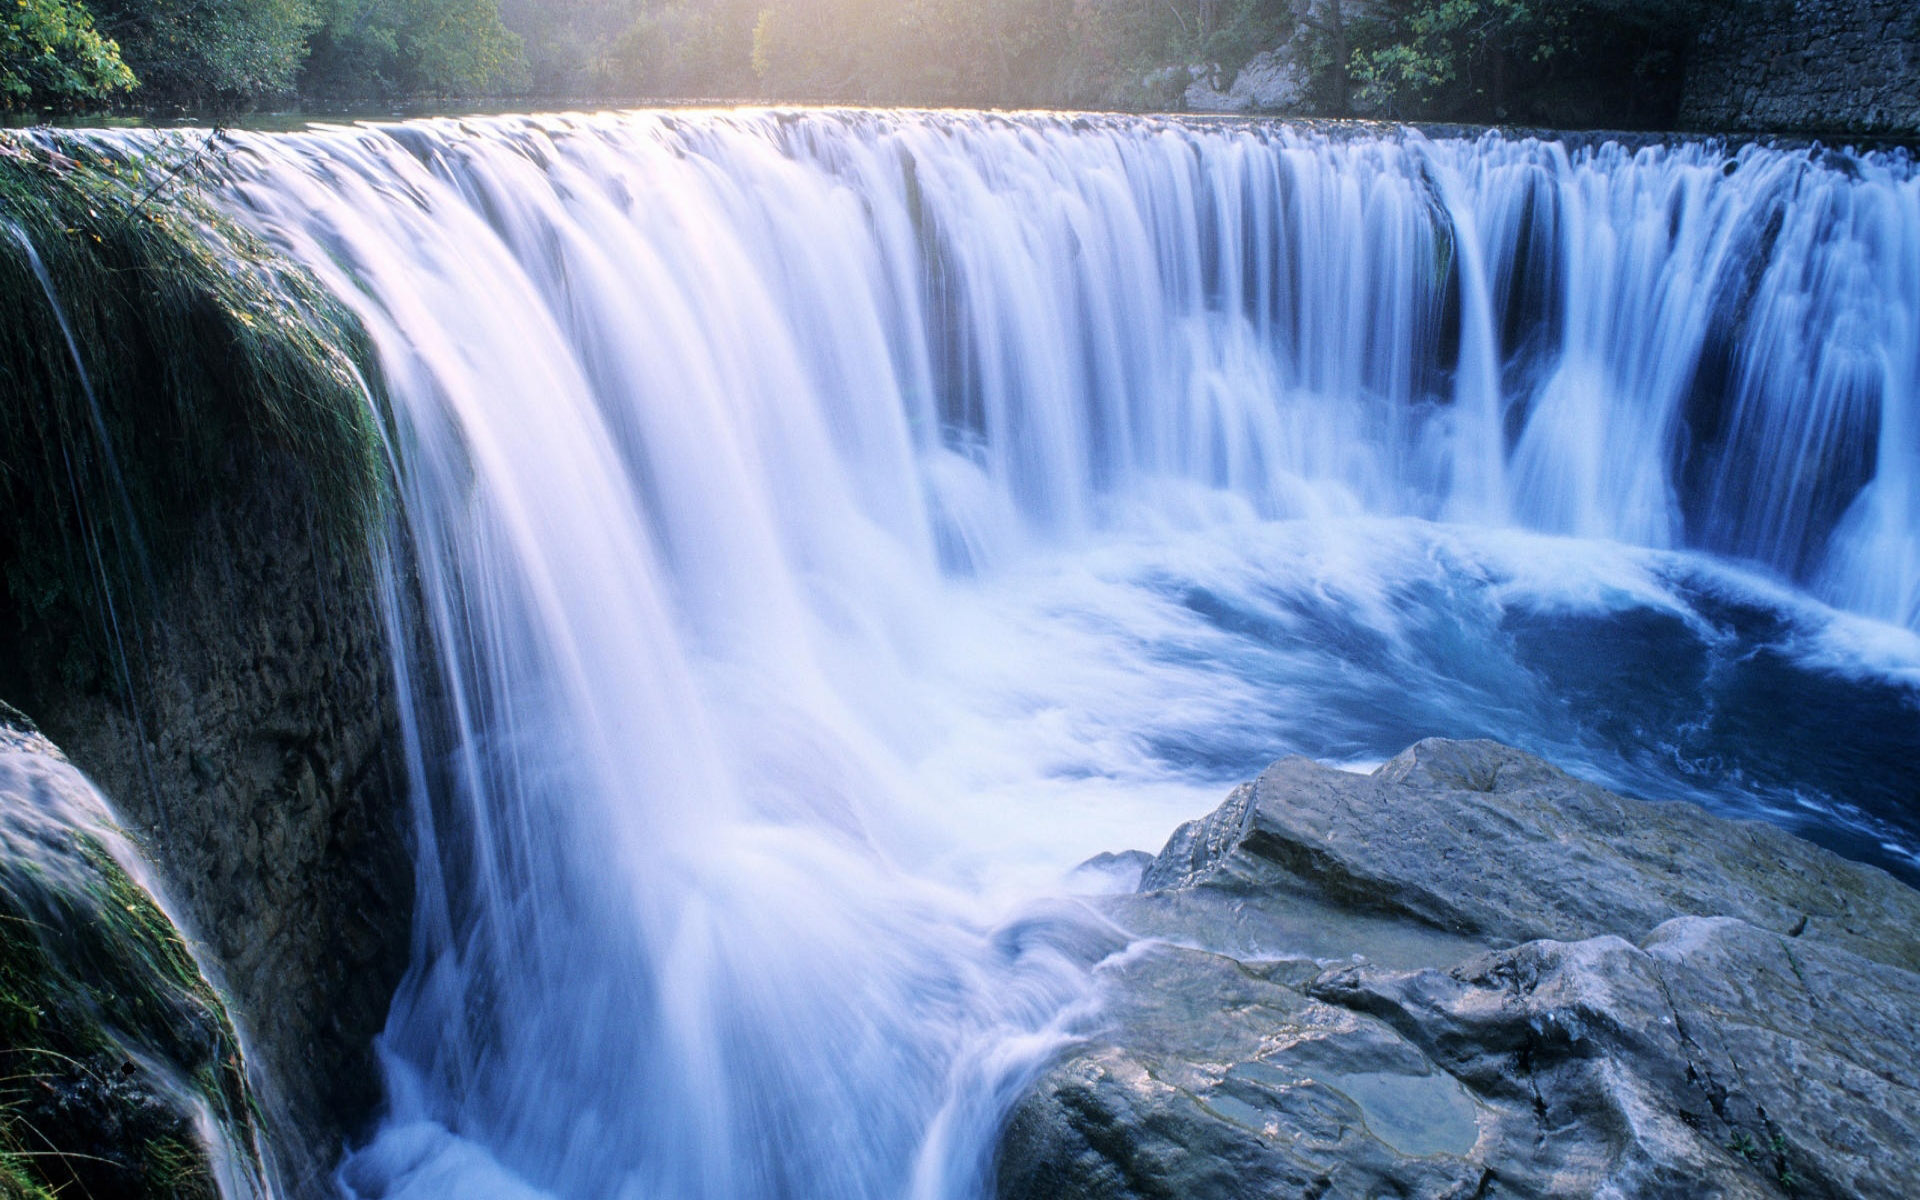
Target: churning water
832 526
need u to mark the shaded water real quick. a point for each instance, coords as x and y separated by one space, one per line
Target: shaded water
832 526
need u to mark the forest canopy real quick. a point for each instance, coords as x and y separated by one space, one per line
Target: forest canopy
64 54
1540 60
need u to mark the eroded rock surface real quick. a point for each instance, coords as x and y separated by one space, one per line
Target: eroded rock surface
260 770
1271 81
1470 974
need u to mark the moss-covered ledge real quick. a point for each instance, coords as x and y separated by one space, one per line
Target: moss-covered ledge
192 488
122 1074
144 337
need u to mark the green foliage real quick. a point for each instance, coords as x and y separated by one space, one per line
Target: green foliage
681 48
365 48
232 53
210 51
52 55
1446 46
562 39
204 354
1557 61
1553 61
1239 30
1007 52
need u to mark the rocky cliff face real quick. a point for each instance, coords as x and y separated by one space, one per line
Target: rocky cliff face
1807 66
189 470
259 767
1469 974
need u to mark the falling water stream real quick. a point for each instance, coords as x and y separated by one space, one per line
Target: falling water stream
826 528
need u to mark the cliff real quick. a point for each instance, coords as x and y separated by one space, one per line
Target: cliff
193 490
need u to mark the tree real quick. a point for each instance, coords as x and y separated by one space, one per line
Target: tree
209 50
682 49
1327 24
52 55
563 38
1561 62
368 48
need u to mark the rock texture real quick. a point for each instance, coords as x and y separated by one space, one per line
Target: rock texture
261 771
190 467
1807 66
1272 81
1281 79
1470 974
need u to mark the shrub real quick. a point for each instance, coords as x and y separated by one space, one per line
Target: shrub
53 56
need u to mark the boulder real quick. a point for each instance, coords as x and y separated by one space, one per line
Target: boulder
1271 81
260 770
1471 974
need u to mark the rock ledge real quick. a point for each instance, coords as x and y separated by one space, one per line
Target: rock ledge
1470 974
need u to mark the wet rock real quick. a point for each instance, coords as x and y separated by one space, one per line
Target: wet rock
260 771
1470 974
1111 872
1484 841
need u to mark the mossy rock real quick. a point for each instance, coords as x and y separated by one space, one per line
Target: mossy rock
120 1072
152 354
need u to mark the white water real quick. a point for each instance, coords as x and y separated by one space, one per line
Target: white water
833 526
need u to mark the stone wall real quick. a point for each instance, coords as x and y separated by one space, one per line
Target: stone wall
1808 66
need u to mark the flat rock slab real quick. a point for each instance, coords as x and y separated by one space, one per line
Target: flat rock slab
1470 974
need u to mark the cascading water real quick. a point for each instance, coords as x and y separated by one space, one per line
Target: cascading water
831 526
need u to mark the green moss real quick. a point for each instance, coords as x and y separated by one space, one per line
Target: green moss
17 1181
154 356
95 985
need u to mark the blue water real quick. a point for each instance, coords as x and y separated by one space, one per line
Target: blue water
834 526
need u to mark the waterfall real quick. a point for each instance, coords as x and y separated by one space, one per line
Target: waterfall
830 526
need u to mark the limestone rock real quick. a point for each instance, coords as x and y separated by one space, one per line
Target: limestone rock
261 772
1272 81
1470 974
1203 94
